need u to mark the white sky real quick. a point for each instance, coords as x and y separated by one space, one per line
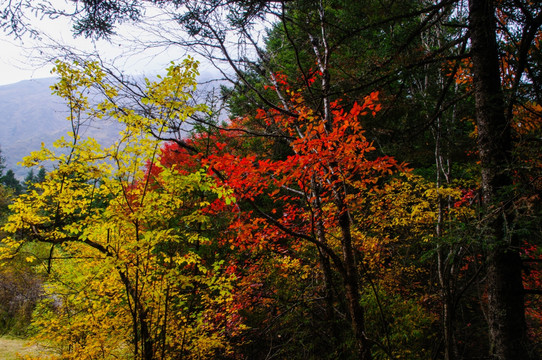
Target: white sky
23 59
27 59
12 63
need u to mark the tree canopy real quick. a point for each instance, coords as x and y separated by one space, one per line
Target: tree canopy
373 194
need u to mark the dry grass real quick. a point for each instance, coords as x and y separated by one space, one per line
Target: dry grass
11 347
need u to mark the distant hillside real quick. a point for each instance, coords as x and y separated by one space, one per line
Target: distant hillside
30 115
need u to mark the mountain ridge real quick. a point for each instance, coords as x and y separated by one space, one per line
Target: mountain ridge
31 115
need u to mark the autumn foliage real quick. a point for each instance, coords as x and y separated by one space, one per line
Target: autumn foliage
283 226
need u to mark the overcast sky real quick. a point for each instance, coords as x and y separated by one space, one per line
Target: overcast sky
12 63
27 58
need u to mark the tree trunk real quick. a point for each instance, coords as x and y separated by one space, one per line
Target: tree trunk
139 317
351 283
506 314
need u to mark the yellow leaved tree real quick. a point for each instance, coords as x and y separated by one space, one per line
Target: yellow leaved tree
131 274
